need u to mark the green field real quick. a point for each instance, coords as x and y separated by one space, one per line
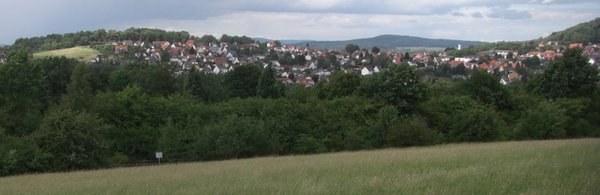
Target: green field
83 53
529 167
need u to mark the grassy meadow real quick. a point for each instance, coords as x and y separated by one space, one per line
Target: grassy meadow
83 53
527 167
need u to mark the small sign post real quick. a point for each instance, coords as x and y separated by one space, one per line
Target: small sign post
159 156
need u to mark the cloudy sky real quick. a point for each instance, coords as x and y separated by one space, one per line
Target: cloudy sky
485 20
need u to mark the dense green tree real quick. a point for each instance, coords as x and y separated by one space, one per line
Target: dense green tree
375 50
444 87
19 57
193 83
57 71
237 136
459 70
79 92
578 116
100 76
236 39
478 123
268 87
165 57
182 141
460 118
351 48
308 144
324 62
19 155
410 131
243 80
153 79
386 118
533 63
545 121
399 86
301 94
23 97
206 39
487 89
206 87
136 118
341 84
336 117
568 76
406 57
382 61
72 140
444 70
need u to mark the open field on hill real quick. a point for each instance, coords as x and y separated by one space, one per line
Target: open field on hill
83 53
527 167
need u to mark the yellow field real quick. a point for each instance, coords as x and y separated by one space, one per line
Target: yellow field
529 167
83 53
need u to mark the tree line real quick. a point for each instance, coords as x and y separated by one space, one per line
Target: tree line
58 114
102 36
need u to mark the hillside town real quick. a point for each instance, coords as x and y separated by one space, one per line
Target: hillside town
306 65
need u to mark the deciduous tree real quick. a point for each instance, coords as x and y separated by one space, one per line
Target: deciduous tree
569 76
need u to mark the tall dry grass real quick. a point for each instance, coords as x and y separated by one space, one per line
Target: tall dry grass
528 167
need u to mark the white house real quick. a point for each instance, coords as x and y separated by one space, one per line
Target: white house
311 65
376 69
365 71
220 69
308 58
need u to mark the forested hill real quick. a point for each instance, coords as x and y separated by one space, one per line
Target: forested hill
391 42
585 32
101 36
59 41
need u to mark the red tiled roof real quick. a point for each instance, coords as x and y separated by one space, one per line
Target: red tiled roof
220 60
575 45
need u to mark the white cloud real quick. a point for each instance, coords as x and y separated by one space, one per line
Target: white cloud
543 1
318 4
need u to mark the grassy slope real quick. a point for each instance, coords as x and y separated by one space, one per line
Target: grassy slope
83 53
533 167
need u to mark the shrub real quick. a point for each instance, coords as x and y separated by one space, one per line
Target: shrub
545 121
410 131
308 144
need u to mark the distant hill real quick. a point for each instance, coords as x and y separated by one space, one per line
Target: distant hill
391 42
584 32
284 41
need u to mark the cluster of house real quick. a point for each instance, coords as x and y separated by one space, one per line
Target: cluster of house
220 58
506 62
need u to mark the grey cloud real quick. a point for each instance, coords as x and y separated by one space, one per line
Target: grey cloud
564 1
41 17
504 13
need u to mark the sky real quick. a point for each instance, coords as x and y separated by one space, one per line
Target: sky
479 20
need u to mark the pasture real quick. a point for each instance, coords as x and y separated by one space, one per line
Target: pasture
515 167
82 53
